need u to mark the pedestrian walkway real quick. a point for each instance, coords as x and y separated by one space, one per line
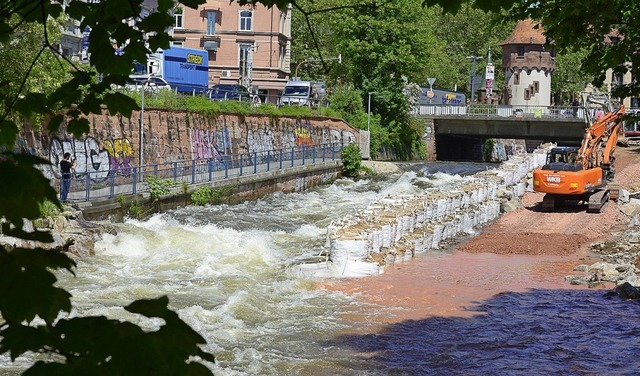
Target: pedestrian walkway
132 180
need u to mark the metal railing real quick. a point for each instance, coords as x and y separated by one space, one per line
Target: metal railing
131 180
530 111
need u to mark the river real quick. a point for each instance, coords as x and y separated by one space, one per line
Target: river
230 272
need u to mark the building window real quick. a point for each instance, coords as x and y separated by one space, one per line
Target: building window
520 51
177 43
282 51
211 22
536 86
527 94
177 24
516 78
245 20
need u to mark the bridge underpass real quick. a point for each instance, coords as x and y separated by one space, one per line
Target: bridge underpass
460 138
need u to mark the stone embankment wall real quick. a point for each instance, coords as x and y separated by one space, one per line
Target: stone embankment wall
395 228
113 143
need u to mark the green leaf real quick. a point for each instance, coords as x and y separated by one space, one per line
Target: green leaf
78 127
120 103
28 285
18 201
18 339
36 235
31 103
8 133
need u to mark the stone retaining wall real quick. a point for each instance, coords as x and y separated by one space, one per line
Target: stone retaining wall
112 144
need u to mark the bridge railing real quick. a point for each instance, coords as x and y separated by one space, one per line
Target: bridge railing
131 180
481 110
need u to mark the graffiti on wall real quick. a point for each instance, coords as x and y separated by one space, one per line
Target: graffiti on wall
209 145
303 134
120 155
91 158
261 141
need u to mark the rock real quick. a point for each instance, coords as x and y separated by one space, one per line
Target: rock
59 223
632 208
581 268
83 246
623 196
504 193
511 205
627 291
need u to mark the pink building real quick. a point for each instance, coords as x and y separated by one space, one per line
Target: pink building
248 45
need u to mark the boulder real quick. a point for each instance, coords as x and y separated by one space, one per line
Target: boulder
627 291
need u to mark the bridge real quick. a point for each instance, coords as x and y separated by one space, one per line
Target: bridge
543 123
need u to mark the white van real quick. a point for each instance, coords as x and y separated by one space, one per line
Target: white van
302 93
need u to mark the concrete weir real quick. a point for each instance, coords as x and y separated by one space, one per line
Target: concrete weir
395 228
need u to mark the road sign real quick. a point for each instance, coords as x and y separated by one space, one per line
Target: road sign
430 94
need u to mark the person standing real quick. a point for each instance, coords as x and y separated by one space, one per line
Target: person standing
66 165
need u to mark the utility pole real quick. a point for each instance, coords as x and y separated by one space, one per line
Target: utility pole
473 75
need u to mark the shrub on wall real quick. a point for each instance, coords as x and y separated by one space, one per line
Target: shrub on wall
201 196
158 187
351 160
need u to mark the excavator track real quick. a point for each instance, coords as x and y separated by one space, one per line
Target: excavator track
598 200
550 201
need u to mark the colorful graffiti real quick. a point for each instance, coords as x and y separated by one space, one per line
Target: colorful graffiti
303 135
120 155
206 145
91 158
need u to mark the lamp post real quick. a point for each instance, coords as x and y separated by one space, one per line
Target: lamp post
369 112
473 74
144 86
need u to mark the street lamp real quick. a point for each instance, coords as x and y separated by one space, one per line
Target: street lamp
144 86
473 74
369 112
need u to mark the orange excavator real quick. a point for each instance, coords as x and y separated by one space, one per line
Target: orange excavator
585 173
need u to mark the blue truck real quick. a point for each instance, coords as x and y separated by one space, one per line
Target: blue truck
185 69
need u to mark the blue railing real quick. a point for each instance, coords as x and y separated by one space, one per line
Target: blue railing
126 181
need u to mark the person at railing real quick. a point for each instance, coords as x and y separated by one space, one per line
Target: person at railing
66 166
599 113
575 104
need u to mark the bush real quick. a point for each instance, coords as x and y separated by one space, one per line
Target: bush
48 209
136 209
158 187
201 196
351 160
487 150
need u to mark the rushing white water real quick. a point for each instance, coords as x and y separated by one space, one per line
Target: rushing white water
228 272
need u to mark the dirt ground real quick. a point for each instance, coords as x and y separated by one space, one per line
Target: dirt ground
529 231
524 249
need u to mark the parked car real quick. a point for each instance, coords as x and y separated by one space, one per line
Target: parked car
518 113
151 83
229 92
303 93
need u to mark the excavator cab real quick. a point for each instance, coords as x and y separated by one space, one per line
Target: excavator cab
563 158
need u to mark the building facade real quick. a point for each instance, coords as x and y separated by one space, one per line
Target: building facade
248 45
528 66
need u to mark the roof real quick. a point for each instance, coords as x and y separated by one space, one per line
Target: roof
526 33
